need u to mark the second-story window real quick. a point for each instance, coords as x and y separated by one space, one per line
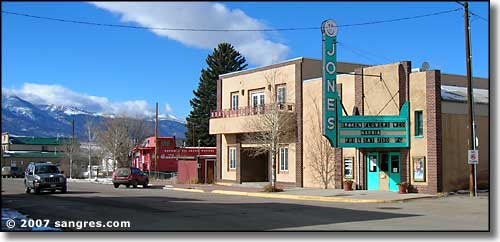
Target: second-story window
281 94
257 99
234 101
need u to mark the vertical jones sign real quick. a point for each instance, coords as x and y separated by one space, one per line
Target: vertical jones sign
330 95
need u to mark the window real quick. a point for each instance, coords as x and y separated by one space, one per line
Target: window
348 167
284 159
395 164
234 101
373 163
232 157
257 99
281 95
419 124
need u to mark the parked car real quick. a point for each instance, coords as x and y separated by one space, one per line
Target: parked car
8 171
44 176
130 177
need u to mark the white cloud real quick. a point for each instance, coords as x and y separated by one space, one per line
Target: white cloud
43 94
257 47
168 108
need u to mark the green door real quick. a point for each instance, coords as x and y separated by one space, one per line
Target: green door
372 171
394 171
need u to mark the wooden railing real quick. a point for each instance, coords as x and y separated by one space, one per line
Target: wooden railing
249 111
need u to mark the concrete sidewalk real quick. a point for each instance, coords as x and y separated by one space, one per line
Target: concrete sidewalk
309 194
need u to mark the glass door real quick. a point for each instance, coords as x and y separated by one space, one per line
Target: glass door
394 171
372 171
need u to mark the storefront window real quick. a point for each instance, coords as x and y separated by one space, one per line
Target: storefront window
348 167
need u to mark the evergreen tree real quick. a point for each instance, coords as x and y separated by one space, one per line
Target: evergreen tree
224 59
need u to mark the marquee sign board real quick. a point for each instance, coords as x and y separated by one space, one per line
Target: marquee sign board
374 131
330 95
355 131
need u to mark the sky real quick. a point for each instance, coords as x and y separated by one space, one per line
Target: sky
120 70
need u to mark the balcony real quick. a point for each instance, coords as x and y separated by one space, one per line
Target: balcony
249 111
229 121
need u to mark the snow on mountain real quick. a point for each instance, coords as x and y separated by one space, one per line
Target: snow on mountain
21 117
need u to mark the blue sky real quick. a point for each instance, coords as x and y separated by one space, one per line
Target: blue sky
127 70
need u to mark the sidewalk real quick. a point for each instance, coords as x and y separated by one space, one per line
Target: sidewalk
309 194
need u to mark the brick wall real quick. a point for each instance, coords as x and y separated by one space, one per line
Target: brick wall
299 167
434 142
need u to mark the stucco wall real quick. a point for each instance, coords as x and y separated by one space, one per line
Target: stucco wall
418 146
381 94
312 131
227 140
455 138
257 80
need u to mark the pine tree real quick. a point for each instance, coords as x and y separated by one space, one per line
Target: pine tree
224 59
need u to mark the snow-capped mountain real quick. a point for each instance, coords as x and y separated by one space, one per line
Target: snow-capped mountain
21 117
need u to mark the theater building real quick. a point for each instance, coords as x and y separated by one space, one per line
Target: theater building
397 124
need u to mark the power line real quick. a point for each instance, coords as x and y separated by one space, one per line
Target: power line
477 15
224 30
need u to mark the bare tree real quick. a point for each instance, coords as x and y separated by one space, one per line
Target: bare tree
274 124
119 135
320 150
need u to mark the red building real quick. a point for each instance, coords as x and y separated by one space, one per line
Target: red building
168 155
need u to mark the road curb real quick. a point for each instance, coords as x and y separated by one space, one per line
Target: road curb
314 198
185 189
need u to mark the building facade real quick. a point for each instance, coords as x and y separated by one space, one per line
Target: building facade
19 151
426 147
169 156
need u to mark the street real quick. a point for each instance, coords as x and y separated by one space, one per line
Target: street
156 209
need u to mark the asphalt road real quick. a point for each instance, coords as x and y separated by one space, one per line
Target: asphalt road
155 209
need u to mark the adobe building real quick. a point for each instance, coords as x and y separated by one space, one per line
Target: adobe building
416 133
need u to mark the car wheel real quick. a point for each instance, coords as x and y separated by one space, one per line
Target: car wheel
116 185
64 190
146 184
27 190
52 190
134 184
127 185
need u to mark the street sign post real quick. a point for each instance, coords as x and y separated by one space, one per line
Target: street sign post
474 160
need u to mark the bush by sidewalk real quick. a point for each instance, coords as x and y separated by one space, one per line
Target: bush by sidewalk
269 188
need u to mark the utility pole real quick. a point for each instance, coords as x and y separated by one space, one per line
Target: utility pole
71 149
90 161
470 100
156 141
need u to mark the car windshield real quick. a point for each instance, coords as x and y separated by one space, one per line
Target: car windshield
46 169
123 172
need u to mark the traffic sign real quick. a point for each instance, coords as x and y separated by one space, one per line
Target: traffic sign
473 157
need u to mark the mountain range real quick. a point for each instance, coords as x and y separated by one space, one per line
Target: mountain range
20 117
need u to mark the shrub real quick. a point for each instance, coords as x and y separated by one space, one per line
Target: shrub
269 188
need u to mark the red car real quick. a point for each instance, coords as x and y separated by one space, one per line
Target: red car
130 177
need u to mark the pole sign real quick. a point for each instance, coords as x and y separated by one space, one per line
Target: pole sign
330 95
355 131
473 157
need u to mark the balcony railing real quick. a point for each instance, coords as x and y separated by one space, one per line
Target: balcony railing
249 111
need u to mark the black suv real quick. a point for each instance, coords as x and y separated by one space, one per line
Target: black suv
44 176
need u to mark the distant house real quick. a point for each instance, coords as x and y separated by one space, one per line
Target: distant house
19 151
